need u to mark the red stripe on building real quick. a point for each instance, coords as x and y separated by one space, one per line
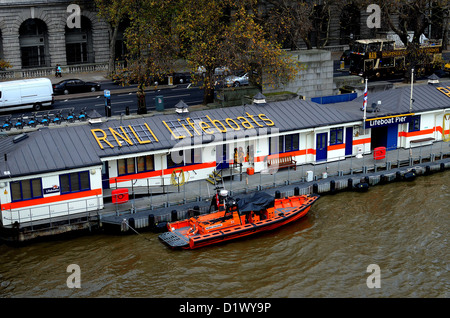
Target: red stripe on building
160 173
416 133
336 147
51 199
361 141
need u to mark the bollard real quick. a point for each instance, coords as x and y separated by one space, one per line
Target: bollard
427 170
332 186
315 188
442 166
131 223
277 194
127 110
151 221
296 191
398 176
350 183
174 215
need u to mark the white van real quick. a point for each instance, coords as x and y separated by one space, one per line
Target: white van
30 93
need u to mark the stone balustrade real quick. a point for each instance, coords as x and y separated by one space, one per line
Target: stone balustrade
50 71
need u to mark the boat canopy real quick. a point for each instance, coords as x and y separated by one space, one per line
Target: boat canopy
259 201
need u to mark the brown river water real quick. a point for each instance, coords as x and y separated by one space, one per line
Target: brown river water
400 227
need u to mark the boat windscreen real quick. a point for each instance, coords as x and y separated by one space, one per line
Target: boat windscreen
259 201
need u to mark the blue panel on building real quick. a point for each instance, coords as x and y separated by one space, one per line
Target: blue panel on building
334 99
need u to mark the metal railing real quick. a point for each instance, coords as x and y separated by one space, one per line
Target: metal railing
46 214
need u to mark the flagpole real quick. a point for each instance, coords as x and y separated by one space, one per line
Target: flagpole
411 100
365 107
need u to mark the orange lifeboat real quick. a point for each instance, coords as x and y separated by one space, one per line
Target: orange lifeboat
236 219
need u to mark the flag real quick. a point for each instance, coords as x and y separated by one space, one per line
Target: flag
365 98
364 108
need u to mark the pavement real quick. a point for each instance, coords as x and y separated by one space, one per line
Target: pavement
86 76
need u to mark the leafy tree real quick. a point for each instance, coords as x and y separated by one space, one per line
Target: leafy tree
150 46
218 33
4 65
207 33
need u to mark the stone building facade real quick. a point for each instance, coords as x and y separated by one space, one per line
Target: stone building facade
35 34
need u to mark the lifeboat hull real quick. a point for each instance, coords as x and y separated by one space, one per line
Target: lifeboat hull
179 234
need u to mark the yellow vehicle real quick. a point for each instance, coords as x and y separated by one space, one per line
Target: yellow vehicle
375 58
447 68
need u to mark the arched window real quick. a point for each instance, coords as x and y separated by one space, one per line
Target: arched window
79 47
33 38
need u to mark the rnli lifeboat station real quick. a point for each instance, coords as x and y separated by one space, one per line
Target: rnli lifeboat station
65 172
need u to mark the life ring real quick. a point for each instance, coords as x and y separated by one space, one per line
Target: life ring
174 177
120 196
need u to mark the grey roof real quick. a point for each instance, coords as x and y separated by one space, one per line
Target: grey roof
397 101
62 148
45 150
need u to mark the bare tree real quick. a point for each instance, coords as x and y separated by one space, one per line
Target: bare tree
114 12
291 21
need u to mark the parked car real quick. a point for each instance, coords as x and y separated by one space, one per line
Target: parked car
447 68
125 80
30 93
71 86
222 70
181 78
237 80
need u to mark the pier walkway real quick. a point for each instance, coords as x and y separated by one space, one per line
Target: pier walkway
149 205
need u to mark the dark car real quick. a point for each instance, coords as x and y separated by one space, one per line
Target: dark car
124 79
72 86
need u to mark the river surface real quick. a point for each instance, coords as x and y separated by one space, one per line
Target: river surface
402 228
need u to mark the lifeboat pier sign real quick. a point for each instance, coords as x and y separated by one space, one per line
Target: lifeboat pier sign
388 120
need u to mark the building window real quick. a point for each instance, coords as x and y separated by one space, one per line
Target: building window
336 136
414 125
135 165
74 182
33 40
79 43
179 158
145 163
126 166
26 189
285 143
291 142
